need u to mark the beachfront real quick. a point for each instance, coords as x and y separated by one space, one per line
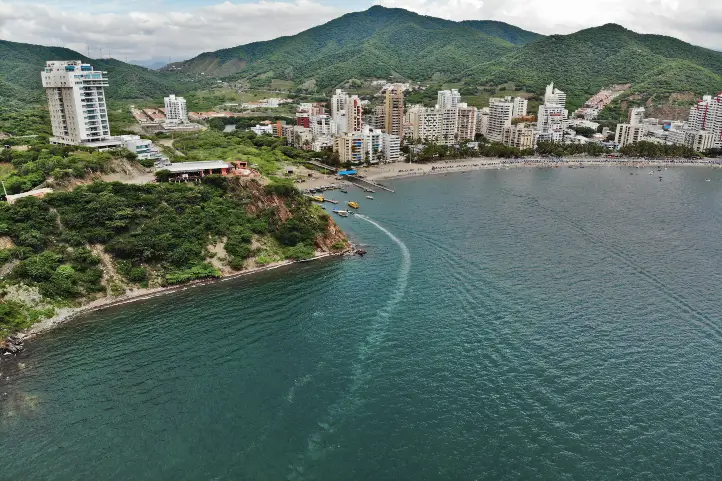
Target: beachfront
403 169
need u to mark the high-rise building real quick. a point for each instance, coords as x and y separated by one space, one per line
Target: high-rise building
392 147
449 125
482 121
426 124
706 115
448 99
500 114
520 136
379 117
350 147
76 102
636 115
551 122
699 140
176 110
520 107
554 96
373 143
354 114
629 134
394 110
339 101
466 129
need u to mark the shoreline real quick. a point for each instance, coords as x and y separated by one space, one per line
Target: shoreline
403 170
65 315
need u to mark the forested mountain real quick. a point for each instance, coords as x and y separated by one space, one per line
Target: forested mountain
585 61
21 64
379 42
502 30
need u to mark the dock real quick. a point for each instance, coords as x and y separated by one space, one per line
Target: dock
358 181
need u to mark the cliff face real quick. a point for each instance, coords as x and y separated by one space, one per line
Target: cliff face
333 239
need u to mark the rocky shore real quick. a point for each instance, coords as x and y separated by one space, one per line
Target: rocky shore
11 347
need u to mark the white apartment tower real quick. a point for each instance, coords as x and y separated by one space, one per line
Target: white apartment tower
706 115
554 96
176 110
76 101
520 106
448 99
500 114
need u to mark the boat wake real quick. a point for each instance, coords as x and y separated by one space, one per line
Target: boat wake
361 371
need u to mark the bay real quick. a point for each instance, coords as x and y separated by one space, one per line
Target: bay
506 324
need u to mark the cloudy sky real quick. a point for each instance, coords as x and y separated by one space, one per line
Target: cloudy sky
180 29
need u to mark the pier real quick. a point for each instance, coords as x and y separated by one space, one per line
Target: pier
356 180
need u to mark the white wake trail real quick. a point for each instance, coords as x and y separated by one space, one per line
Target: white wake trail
361 369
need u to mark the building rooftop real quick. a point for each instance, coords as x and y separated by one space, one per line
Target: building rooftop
180 167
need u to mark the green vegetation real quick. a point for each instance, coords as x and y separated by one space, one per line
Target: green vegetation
33 167
376 43
22 97
585 61
265 152
154 235
502 30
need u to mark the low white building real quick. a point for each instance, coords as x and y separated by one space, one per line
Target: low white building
262 129
143 148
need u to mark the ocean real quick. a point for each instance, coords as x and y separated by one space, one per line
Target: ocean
513 324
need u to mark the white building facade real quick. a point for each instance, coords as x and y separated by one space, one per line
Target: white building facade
176 110
76 102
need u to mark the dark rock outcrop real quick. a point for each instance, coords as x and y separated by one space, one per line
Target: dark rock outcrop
11 346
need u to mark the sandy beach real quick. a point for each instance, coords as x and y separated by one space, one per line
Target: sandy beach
64 315
403 169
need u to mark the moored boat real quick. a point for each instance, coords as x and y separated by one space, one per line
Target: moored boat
342 213
353 204
317 198
369 197
332 201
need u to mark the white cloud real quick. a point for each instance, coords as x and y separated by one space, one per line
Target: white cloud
153 34
694 21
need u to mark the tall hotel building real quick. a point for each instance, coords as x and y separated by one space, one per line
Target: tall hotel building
76 100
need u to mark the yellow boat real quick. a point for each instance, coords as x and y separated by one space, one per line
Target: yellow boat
317 198
353 204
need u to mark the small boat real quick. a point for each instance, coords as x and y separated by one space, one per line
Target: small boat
342 213
344 191
317 198
353 204
369 197
360 252
707 180
332 201
370 190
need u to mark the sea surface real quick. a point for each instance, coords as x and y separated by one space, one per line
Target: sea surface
557 324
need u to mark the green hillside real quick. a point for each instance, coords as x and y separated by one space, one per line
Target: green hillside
21 64
584 62
379 42
502 30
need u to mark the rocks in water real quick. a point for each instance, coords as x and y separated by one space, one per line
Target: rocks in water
11 346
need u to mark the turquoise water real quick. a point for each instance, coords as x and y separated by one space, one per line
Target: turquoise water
518 324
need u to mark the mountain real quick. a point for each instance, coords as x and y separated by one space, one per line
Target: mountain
502 30
21 64
585 61
377 43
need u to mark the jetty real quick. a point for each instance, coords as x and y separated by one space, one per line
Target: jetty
363 183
